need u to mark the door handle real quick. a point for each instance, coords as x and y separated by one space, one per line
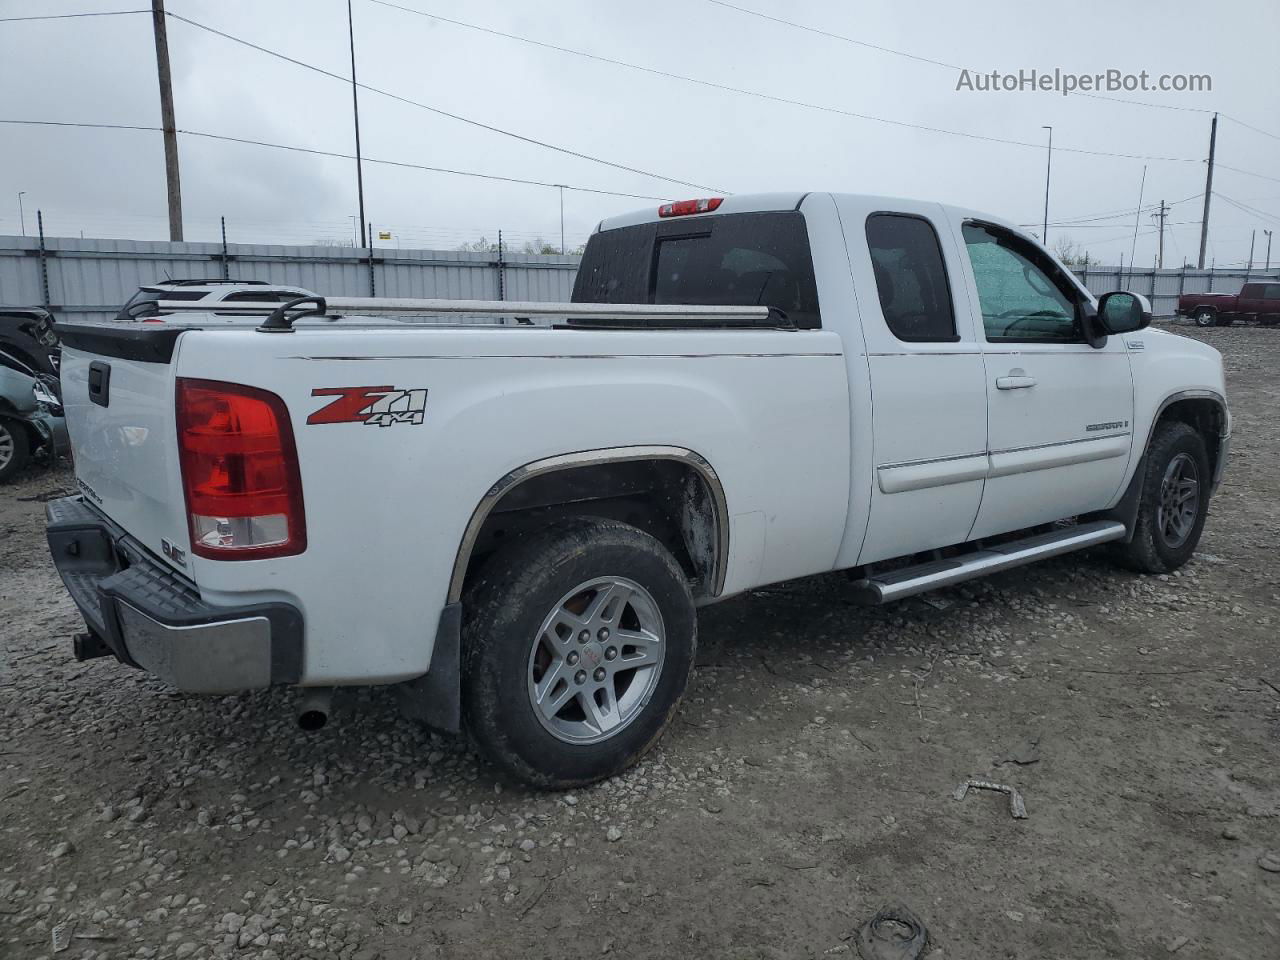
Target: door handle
1015 383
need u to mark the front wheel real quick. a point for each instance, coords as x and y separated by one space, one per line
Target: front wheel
1175 501
14 448
578 643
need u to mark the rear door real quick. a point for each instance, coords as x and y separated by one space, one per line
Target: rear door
1060 411
929 405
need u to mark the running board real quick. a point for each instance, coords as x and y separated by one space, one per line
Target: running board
896 584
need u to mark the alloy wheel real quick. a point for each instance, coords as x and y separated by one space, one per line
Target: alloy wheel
6 446
596 660
1179 501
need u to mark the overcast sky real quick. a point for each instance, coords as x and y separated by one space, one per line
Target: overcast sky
111 183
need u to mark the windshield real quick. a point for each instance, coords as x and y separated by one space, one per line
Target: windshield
742 259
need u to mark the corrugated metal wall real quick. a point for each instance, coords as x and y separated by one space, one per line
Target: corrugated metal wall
1162 287
90 279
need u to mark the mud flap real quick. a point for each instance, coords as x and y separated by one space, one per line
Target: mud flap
435 698
1126 511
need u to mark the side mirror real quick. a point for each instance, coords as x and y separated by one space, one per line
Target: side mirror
1123 312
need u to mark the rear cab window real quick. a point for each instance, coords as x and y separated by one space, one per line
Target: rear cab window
735 259
911 278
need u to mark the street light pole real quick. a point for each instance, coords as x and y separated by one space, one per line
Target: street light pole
22 217
1048 167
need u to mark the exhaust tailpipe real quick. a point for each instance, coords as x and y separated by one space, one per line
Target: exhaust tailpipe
313 709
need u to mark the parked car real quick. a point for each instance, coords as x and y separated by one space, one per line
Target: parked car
211 293
27 334
32 423
518 523
1255 301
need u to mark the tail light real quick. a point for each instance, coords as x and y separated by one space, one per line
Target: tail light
239 472
682 208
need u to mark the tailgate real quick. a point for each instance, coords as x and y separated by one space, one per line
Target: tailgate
118 393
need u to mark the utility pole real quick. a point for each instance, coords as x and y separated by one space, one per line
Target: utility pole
22 217
355 110
1208 190
1164 212
166 120
1268 233
1252 237
1048 168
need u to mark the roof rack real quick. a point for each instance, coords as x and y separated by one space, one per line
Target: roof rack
280 317
211 281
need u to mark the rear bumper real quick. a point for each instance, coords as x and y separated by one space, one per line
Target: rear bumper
151 618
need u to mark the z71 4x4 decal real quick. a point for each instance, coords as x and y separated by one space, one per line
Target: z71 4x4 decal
380 406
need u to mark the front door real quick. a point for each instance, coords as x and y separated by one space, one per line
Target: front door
1060 412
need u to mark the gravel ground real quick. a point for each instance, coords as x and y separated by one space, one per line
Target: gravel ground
806 784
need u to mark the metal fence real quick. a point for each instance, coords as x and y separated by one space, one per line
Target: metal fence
91 279
1163 287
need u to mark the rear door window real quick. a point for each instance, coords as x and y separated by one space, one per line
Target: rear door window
741 259
911 278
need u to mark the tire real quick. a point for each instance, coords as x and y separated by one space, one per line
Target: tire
1269 319
1165 534
523 638
1204 317
15 448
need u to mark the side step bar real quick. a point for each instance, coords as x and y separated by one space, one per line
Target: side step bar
896 584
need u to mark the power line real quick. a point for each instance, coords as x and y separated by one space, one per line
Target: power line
1141 103
836 36
332 153
773 98
444 113
1252 211
1247 173
1249 126
72 16
1109 214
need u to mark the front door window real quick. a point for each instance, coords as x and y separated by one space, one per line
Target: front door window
1021 301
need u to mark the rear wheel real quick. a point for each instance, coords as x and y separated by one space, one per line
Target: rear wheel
578 644
1204 317
14 448
1175 499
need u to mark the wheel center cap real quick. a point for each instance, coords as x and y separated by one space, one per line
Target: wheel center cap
593 654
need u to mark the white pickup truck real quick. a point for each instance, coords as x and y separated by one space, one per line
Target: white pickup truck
515 523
